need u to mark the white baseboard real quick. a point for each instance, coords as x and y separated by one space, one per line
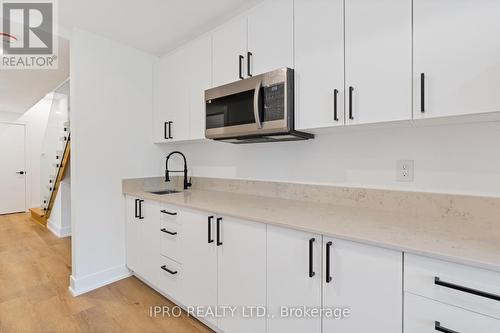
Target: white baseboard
57 230
97 280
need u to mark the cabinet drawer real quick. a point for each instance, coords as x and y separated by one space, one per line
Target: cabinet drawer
170 240
425 315
170 277
170 214
470 288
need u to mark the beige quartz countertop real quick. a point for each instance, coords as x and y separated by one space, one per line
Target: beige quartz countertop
470 242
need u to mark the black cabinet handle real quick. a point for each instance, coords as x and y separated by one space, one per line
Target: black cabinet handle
241 58
422 92
210 240
165 136
167 212
439 328
164 267
140 210
311 254
351 89
249 64
168 232
335 96
476 292
20 172
170 129
136 213
328 275
219 220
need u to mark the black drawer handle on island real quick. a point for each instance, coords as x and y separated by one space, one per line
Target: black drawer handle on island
328 274
210 240
439 328
219 220
164 267
167 212
173 233
311 254
476 292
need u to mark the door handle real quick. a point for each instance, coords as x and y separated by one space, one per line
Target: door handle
136 209
422 92
241 58
439 328
249 64
256 105
168 232
328 249
140 209
219 220
351 116
210 240
170 129
20 172
311 254
164 267
335 96
165 136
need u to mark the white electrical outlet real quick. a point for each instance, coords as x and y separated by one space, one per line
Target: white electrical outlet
404 170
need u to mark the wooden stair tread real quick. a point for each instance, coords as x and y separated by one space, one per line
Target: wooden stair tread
38 214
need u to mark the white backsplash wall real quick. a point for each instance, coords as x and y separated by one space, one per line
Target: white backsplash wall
460 158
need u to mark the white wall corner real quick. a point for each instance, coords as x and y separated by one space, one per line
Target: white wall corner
97 280
57 230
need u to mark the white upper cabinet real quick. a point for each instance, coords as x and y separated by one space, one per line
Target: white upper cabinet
378 59
241 273
457 49
199 78
293 279
368 280
270 37
319 63
229 52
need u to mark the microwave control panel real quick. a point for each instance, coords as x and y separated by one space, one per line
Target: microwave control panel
274 102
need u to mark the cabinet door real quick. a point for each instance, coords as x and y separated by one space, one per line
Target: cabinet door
199 76
362 279
150 241
288 279
242 274
378 60
270 36
229 43
199 261
319 63
133 244
456 47
170 98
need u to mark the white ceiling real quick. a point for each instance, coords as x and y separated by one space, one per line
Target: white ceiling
154 26
21 89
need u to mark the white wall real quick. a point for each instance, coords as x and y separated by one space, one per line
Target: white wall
35 120
463 159
111 110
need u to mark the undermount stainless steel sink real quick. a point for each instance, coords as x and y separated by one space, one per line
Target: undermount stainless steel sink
163 192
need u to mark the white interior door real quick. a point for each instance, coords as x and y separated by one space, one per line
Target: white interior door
12 182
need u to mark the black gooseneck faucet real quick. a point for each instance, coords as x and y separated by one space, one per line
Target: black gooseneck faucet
187 184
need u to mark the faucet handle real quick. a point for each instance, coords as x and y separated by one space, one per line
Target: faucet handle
189 184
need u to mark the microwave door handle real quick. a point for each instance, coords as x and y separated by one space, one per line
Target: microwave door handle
256 105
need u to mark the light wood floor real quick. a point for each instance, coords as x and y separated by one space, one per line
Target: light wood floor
34 297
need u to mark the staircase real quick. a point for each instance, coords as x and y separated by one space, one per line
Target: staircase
42 214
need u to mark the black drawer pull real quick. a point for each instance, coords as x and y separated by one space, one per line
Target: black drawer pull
219 220
173 233
164 267
328 274
476 292
439 328
167 212
311 254
210 240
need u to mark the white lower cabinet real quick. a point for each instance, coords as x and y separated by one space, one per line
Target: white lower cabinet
242 274
425 315
293 280
365 282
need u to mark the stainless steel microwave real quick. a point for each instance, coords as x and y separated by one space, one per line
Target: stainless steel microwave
257 109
